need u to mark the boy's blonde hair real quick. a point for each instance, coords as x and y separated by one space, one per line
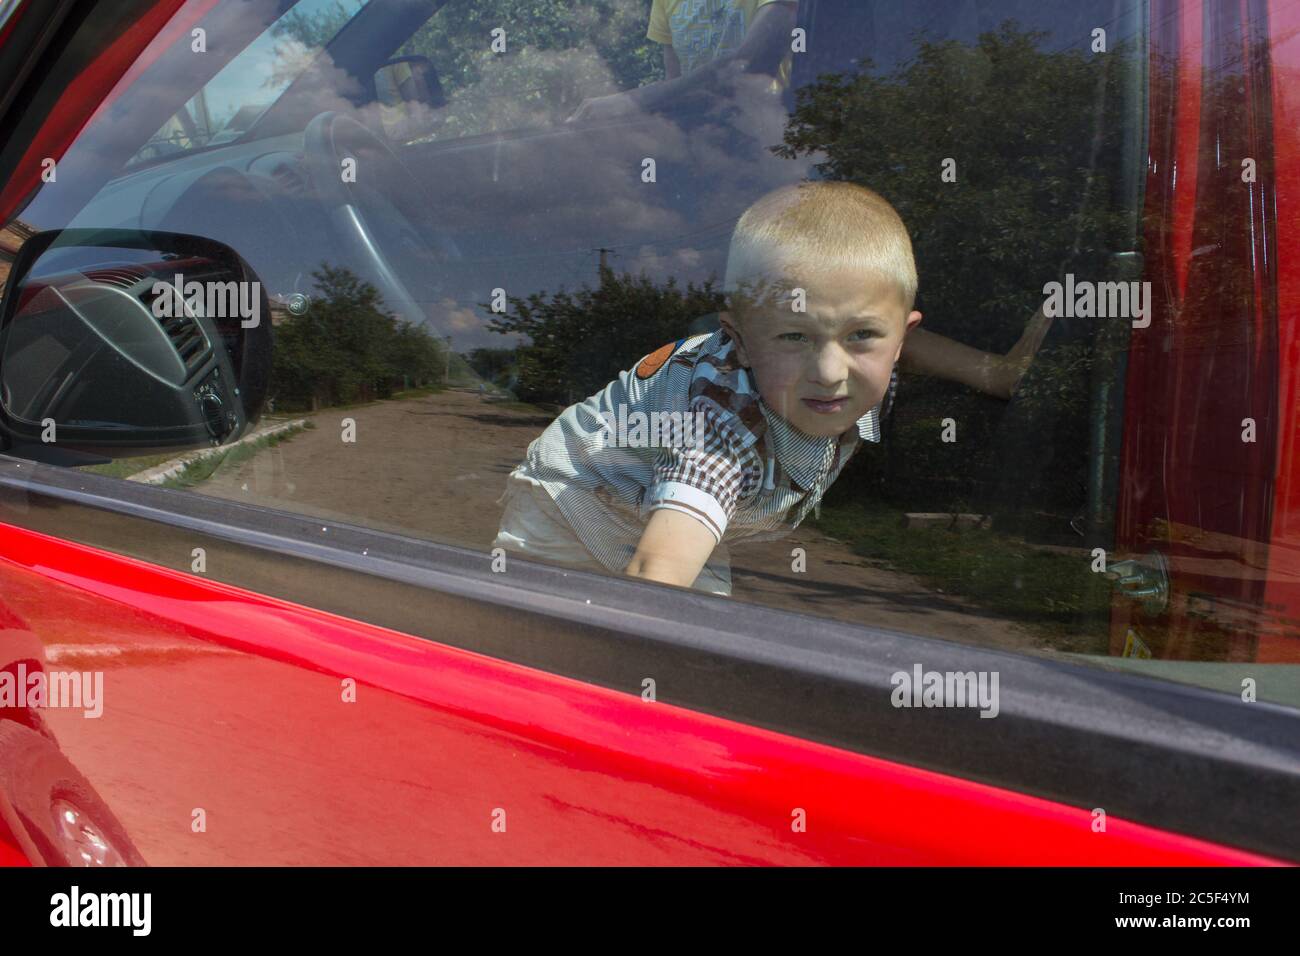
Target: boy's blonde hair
811 227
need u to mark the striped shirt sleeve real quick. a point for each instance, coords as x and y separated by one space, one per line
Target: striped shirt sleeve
703 479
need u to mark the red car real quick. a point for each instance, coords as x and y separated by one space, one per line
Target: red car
250 612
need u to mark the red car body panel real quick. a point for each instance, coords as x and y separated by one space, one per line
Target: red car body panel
232 702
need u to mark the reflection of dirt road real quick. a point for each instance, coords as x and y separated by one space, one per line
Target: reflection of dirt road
433 467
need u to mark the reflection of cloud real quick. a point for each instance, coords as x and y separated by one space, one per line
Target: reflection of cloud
687 261
291 57
448 315
530 210
465 323
330 87
707 177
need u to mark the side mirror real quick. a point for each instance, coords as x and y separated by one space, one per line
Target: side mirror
126 342
410 98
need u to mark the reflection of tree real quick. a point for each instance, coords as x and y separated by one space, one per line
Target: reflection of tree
347 348
1034 137
1025 128
302 34
498 366
316 28
460 32
557 53
580 341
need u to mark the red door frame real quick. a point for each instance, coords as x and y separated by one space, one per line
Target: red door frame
1221 510
585 775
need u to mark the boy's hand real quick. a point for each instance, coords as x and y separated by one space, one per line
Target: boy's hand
1017 361
673 550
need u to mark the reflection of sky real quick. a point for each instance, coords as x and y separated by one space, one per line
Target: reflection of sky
248 78
532 215
690 244
886 31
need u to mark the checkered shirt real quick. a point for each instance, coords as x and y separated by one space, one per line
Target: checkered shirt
726 459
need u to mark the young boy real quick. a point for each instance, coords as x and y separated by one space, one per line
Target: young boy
738 434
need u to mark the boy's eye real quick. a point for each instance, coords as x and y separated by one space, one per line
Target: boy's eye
863 335
792 337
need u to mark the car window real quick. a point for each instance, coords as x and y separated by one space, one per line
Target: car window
442 299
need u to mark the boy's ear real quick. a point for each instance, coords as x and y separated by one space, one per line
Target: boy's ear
913 320
728 323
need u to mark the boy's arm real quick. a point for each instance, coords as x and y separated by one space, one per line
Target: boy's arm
673 550
929 353
692 498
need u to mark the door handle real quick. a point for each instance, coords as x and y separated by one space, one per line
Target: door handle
1143 580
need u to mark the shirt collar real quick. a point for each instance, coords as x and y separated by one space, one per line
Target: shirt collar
803 456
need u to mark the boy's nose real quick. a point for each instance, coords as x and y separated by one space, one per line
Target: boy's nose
830 367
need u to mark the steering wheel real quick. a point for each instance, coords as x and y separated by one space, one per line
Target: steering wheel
401 258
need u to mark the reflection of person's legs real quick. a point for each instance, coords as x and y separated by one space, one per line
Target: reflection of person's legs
533 526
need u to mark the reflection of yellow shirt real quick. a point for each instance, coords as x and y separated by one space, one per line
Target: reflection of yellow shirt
703 30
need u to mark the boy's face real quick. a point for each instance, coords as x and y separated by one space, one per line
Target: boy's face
824 368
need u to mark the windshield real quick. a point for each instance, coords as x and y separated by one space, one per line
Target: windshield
233 100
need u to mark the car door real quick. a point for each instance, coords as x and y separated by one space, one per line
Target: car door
303 649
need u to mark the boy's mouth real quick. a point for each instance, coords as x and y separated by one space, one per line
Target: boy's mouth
827 406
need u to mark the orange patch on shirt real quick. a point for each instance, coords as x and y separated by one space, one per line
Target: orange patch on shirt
655 360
